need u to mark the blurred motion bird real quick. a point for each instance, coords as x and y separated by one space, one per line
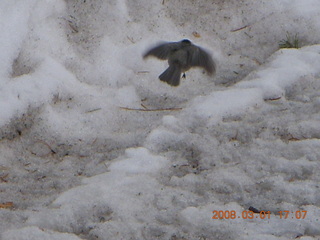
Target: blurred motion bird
181 57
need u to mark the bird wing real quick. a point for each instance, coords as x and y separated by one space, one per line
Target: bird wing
200 58
162 51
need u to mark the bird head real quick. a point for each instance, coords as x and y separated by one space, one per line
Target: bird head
186 42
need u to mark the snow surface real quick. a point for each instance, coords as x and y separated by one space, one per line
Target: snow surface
81 158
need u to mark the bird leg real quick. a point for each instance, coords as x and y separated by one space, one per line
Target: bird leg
184 75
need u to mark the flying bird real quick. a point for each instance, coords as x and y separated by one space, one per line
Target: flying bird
181 57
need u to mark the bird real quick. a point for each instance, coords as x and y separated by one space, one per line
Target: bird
181 56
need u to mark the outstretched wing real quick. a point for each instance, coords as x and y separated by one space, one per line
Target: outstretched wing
200 58
162 51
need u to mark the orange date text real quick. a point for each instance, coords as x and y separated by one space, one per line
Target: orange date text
232 214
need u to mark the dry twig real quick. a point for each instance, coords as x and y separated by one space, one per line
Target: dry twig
150 110
93 110
239 29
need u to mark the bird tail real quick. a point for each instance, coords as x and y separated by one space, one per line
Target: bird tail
171 76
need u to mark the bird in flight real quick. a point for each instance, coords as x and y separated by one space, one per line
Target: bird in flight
181 57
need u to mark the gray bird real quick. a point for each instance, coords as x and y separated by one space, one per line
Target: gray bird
181 57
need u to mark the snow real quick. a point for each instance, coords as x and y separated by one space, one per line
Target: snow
37 234
287 67
94 146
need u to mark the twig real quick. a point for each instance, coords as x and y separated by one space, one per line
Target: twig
248 35
46 144
93 110
74 28
272 99
150 110
142 105
238 29
130 39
